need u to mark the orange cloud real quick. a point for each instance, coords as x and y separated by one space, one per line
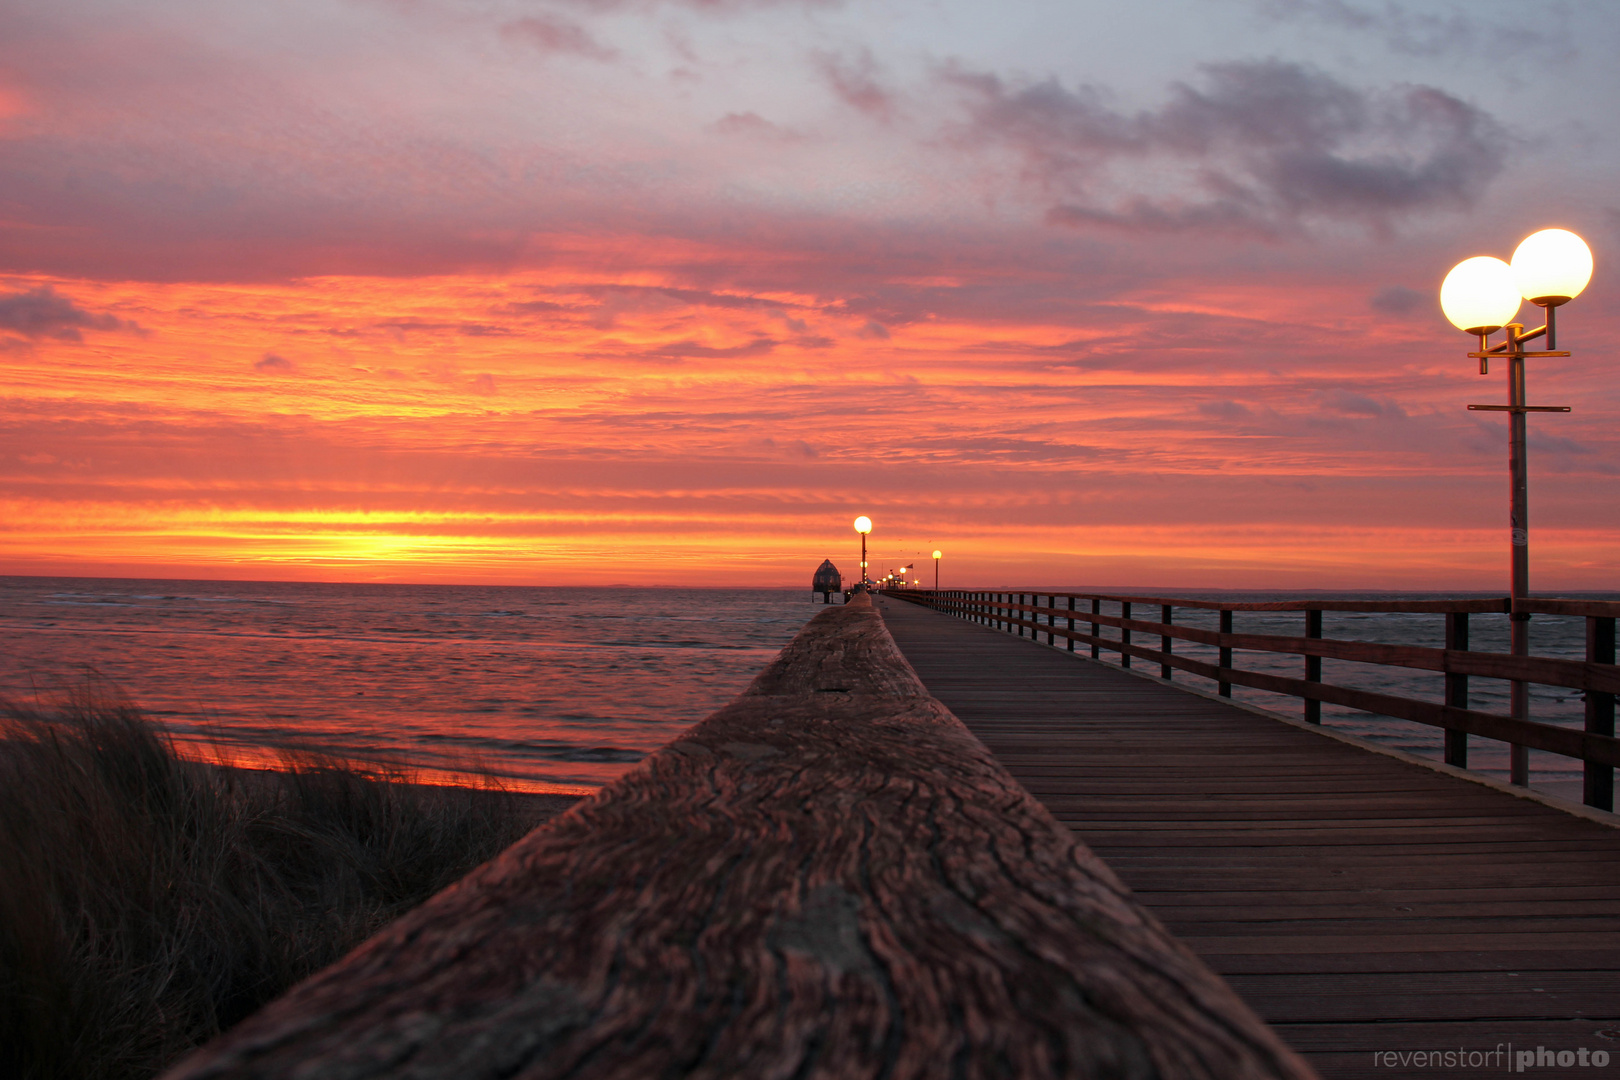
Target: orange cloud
575 425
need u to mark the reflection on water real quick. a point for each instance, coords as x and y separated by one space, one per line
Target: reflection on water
552 687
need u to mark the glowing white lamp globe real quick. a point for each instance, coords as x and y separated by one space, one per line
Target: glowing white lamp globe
937 554
1551 267
1480 295
863 524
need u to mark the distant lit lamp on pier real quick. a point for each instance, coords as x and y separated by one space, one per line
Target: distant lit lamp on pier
1480 296
936 569
863 525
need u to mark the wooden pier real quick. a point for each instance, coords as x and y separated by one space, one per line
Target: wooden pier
829 878
1359 903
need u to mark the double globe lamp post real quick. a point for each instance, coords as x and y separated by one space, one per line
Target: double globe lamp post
1481 296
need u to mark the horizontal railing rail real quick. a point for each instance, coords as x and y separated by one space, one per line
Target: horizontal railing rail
1597 676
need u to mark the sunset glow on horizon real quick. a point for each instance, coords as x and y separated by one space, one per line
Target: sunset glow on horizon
665 293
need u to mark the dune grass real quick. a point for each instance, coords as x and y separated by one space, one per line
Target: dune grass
148 902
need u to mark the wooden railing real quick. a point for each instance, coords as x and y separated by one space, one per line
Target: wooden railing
1059 616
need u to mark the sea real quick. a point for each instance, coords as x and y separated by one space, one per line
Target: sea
556 689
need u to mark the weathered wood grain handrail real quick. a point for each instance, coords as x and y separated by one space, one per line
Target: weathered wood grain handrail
1597 676
830 877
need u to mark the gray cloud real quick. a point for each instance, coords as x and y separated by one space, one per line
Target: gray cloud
1458 31
1350 403
271 364
1225 410
710 7
46 313
1260 147
682 350
751 125
553 35
1397 300
855 80
401 327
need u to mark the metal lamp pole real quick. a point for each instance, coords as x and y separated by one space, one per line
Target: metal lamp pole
863 525
936 571
1519 505
1479 296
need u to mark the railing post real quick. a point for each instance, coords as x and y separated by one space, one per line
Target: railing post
1457 689
1020 615
1071 623
1225 661
1096 629
1599 779
1519 691
1166 613
1124 634
1313 667
1051 618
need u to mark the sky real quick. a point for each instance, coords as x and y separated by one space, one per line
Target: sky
668 291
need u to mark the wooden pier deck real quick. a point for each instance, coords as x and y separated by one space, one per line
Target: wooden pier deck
1359 903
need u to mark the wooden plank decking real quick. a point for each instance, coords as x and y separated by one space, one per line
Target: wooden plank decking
1357 902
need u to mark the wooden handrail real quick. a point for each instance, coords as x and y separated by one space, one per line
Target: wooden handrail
1598 676
828 877
1494 605
1598 609
1548 671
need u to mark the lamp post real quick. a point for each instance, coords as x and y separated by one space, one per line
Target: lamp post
1480 296
936 569
863 525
